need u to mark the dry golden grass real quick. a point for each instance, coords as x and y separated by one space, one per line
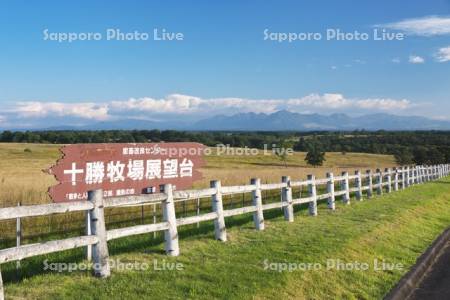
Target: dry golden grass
22 178
232 169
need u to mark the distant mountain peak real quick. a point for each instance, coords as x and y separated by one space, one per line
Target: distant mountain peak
282 120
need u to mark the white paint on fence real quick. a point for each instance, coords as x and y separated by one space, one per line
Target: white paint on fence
286 198
330 191
313 195
217 207
171 233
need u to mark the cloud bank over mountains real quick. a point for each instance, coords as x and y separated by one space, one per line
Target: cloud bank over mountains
191 107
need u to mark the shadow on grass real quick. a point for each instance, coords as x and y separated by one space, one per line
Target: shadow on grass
144 243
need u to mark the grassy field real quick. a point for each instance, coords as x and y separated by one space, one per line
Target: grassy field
22 179
395 228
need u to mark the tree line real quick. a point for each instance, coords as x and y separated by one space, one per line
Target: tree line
420 147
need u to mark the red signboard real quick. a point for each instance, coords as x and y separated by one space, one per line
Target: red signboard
124 169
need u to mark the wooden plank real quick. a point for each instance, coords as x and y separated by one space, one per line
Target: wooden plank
136 230
303 200
322 181
134 200
323 196
43 209
237 189
239 211
272 186
196 219
299 183
273 205
193 194
13 254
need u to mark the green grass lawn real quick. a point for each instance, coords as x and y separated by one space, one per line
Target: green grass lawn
395 228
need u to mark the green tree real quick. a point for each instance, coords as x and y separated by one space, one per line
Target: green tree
284 150
403 157
315 156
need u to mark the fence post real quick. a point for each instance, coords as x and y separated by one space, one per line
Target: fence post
408 178
18 235
424 174
389 180
217 206
379 182
370 184
330 190
417 175
286 197
345 186
258 215
313 194
358 180
402 170
395 179
171 234
2 294
100 253
88 231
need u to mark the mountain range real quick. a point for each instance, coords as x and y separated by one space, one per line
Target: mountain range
279 121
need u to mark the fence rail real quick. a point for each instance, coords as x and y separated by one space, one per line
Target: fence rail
97 235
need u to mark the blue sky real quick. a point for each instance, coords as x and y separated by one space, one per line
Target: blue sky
223 64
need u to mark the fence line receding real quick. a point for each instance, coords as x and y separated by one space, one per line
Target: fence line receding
97 235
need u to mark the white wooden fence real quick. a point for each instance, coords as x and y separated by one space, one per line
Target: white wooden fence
97 237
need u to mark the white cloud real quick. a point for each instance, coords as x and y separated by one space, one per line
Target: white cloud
178 105
333 101
414 59
174 103
443 54
183 104
424 26
383 104
81 110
